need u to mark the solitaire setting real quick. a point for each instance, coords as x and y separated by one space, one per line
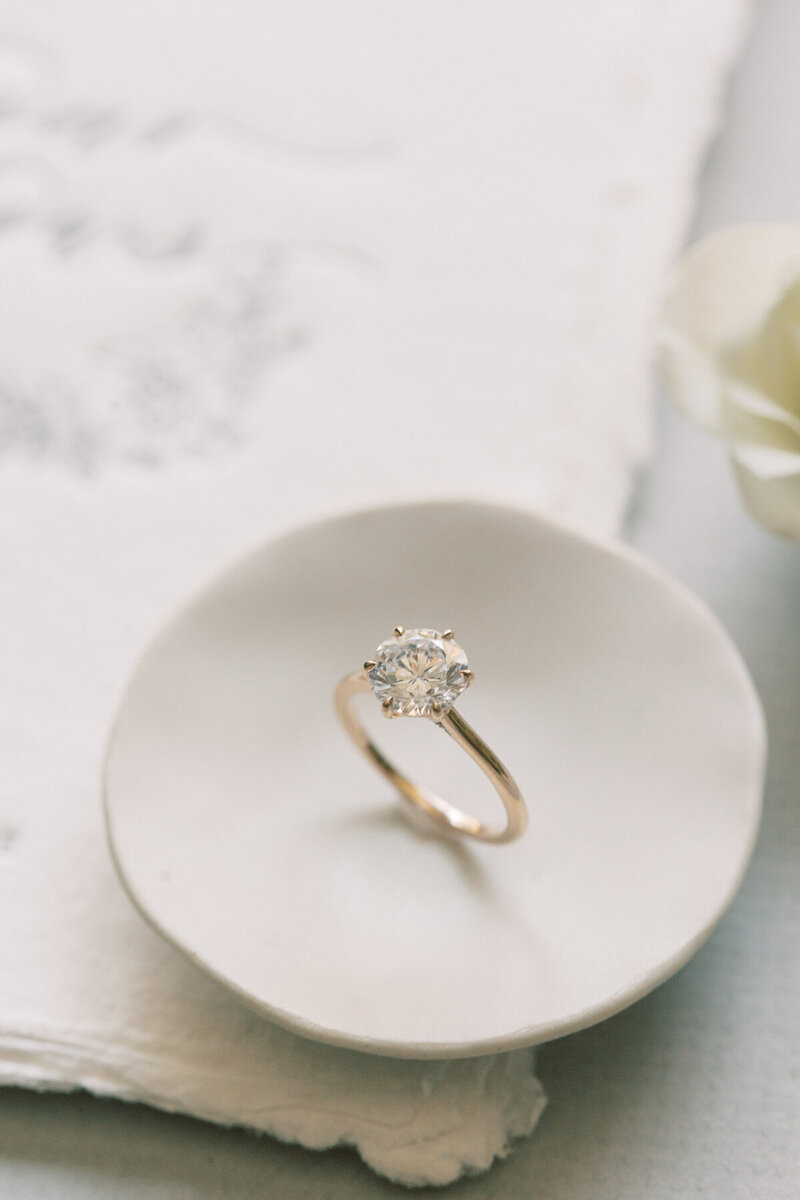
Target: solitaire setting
421 673
418 673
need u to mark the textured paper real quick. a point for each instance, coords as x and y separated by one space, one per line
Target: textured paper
258 263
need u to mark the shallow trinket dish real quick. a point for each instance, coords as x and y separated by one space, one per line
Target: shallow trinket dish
252 836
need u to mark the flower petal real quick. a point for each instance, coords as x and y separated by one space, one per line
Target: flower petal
768 359
748 408
725 284
773 498
719 294
766 462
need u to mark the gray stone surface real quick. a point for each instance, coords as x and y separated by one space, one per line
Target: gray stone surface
693 1091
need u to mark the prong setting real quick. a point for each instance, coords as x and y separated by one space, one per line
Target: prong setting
418 673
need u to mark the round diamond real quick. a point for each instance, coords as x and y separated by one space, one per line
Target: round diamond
417 671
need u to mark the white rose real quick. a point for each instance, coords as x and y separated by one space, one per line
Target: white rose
729 352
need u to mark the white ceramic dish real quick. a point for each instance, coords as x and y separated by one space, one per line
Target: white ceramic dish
253 836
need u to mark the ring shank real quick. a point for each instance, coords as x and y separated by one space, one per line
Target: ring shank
445 815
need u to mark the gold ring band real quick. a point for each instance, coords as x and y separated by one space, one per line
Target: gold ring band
418 673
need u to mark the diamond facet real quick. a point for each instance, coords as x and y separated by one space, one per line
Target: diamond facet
420 672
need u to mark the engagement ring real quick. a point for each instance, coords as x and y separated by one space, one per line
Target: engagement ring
421 673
